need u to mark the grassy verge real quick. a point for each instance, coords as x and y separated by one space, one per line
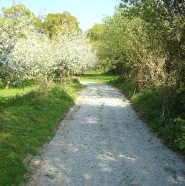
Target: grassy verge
28 119
96 76
162 109
13 91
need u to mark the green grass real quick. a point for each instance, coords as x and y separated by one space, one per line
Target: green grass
28 119
95 76
13 91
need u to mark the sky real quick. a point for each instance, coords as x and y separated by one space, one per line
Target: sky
88 12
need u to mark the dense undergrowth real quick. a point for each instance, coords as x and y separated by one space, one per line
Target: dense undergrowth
28 119
163 109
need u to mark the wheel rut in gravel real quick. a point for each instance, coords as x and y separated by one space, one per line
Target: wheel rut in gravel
102 142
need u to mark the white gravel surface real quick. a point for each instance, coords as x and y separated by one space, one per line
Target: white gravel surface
101 142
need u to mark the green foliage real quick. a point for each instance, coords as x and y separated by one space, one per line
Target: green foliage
28 119
126 43
165 26
16 12
95 34
144 41
128 87
180 141
63 23
151 107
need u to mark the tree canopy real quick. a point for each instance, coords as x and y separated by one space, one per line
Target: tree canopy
63 23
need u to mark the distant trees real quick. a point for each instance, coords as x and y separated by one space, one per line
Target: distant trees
166 24
94 34
145 40
62 23
17 12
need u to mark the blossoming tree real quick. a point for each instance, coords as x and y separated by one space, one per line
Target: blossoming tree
26 53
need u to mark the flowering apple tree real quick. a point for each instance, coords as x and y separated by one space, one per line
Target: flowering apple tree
25 53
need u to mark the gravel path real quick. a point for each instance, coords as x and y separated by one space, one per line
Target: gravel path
101 142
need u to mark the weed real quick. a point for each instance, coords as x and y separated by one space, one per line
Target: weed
172 172
126 179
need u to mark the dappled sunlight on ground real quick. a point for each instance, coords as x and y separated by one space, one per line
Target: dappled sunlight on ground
102 142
